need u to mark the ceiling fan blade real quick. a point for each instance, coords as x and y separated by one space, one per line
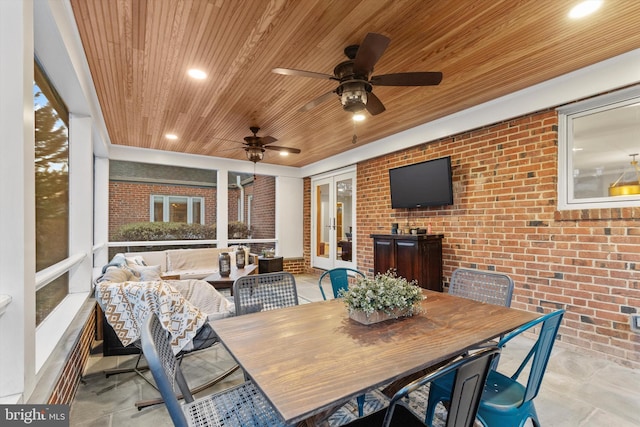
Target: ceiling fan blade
283 149
267 140
374 105
319 100
369 52
301 73
426 78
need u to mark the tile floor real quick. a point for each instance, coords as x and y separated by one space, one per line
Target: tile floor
578 390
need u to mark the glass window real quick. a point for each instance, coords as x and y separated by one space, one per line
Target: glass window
51 190
186 210
252 201
599 150
142 195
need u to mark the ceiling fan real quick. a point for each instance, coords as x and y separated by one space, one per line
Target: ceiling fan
255 145
355 80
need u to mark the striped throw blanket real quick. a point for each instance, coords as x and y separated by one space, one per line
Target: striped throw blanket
127 304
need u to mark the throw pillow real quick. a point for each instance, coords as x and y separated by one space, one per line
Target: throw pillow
147 273
134 261
117 275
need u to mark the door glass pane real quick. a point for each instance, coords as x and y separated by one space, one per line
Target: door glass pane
344 226
323 215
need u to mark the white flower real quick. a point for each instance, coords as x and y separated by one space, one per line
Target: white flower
387 292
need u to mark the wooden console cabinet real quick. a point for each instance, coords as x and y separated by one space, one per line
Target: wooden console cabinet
414 257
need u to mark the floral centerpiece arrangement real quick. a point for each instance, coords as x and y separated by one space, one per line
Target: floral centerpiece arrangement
386 296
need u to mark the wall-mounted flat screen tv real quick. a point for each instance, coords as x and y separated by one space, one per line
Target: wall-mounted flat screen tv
422 184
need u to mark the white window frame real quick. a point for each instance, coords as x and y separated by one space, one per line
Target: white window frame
165 207
566 200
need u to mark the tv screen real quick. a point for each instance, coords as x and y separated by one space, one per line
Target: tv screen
422 184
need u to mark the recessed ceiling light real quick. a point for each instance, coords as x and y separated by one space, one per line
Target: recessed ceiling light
284 153
585 8
197 74
171 136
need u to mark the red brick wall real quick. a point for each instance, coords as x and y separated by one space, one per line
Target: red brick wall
505 218
129 201
263 218
67 384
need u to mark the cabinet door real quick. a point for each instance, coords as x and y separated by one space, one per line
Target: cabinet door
432 267
408 260
383 256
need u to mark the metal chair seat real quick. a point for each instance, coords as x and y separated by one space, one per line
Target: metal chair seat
239 406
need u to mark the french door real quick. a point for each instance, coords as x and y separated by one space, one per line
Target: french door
333 240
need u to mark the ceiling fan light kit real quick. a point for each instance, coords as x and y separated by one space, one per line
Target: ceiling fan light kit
355 89
255 146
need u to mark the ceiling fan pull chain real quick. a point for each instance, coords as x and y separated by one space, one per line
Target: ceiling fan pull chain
354 139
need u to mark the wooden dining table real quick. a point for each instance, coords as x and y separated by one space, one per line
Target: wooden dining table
310 359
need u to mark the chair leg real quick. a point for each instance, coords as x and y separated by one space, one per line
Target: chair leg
151 402
360 400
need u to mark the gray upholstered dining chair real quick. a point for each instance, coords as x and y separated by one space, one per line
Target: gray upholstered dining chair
262 292
484 286
469 373
239 406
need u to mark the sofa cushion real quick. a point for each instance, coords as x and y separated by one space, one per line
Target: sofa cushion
200 260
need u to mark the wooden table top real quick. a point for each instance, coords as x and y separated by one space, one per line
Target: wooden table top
311 357
216 279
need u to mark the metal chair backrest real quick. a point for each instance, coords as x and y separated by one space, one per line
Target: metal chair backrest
262 292
540 352
470 375
164 368
484 286
339 278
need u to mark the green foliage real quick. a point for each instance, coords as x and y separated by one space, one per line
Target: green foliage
238 230
149 231
385 292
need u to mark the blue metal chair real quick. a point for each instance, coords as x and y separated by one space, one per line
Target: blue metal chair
468 378
339 278
240 406
505 401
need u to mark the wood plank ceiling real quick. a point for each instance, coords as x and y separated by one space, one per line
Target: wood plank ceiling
139 52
